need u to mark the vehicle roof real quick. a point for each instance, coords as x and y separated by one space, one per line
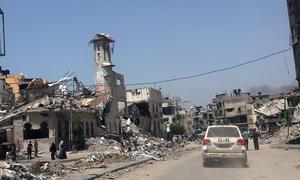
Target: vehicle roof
222 126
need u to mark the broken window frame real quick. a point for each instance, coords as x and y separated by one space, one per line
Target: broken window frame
40 133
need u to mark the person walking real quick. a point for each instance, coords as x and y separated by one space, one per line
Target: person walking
35 148
246 137
29 150
62 150
53 151
255 136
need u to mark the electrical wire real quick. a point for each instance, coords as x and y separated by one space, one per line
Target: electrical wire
209 72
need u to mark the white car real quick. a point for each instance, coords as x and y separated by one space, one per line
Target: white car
223 142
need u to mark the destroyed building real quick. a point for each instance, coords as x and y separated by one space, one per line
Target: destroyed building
202 117
235 108
110 88
170 113
196 115
6 97
208 114
270 114
14 82
145 110
185 120
293 7
51 112
188 121
49 115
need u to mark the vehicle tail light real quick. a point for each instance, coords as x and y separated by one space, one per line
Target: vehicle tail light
206 142
241 142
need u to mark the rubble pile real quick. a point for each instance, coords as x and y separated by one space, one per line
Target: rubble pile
51 169
101 157
280 137
100 144
145 146
136 147
12 170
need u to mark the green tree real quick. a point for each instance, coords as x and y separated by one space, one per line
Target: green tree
177 129
78 134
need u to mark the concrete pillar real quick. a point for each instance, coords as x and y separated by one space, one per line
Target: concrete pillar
18 133
10 135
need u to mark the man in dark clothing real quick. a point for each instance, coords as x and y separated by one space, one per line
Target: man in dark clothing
29 150
255 136
35 148
53 151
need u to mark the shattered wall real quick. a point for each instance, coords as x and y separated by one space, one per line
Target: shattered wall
149 104
35 120
57 128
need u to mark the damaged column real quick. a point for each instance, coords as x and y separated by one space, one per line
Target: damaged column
110 89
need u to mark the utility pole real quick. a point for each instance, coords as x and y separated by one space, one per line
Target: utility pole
286 116
71 124
71 118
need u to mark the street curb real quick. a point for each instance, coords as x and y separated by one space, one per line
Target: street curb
55 161
94 176
285 146
114 169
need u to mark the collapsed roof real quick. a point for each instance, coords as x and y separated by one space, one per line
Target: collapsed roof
272 108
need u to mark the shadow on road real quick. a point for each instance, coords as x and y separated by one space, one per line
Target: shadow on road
226 164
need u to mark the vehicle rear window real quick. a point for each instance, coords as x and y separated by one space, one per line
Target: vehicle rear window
223 132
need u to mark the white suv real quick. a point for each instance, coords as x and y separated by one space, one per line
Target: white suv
223 142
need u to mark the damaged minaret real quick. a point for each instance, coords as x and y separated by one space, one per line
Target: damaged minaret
110 89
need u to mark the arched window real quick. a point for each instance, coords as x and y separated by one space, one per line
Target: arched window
44 130
27 131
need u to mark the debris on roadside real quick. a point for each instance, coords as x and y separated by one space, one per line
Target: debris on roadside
12 170
281 136
49 169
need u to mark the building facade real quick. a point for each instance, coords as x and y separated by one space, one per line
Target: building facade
48 120
145 109
235 108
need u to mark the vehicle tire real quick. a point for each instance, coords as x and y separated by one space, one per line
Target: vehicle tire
244 162
206 163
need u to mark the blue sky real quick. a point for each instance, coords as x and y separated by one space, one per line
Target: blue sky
154 40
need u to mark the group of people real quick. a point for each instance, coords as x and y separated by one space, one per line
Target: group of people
53 150
29 149
254 135
62 151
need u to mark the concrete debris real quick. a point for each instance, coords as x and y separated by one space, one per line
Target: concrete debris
103 145
136 147
101 157
128 126
280 137
12 170
272 108
49 169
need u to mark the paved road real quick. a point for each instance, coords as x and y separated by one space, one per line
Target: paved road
265 164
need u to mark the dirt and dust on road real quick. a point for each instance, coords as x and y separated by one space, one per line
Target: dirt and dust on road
264 164
172 156
101 153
